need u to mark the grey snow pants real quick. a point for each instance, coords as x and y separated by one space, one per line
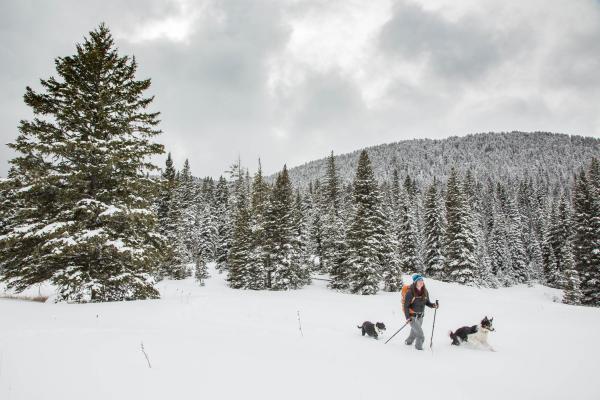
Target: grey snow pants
416 332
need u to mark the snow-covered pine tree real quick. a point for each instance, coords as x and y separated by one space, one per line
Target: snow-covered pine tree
407 238
259 255
221 208
434 234
594 179
363 240
9 204
558 233
572 293
331 224
206 228
519 267
550 267
86 221
586 235
498 249
166 192
391 273
284 270
472 190
188 202
316 226
201 270
461 266
239 253
301 211
179 228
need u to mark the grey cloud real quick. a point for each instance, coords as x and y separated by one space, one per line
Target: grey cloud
481 72
210 89
464 49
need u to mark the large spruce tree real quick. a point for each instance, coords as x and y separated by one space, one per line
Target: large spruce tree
223 222
364 236
238 258
285 269
586 235
331 228
434 234
461 266
84 218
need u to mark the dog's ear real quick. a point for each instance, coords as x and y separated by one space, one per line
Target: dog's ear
492 319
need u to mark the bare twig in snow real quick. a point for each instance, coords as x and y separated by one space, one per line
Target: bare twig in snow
146 355
300 324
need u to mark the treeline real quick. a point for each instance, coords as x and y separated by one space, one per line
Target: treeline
366 233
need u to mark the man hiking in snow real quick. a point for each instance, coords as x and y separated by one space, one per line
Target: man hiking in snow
416 298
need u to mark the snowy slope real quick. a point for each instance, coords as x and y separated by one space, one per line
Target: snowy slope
218 343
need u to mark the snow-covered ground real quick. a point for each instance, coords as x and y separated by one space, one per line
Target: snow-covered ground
213 342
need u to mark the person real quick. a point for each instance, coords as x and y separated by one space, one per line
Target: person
417 297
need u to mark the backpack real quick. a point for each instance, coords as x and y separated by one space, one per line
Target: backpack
405 289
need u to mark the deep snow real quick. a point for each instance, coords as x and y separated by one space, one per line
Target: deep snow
218 343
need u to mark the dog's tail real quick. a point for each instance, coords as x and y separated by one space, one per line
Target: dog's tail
359 327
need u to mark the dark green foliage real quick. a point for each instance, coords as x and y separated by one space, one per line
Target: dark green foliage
363 265
201 270
85 219
223 221
586 235
239 253
285 269
331 233
460 245
434 234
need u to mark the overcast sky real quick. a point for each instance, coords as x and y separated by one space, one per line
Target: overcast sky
289 81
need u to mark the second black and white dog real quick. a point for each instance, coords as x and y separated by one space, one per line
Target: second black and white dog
476 334
372 329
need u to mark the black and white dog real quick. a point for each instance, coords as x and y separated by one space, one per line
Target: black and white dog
371 329
476 334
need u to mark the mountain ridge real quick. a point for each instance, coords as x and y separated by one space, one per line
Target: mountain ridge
507 155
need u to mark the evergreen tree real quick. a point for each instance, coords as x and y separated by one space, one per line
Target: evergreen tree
558 233
407 240
586 235
284 270
573 294
518 257
363 264
498 249
460 244
85 220
391 273
331 223
166 193
258 221
434 234
221 208
301 236
201 270
206 228
239 255
316 227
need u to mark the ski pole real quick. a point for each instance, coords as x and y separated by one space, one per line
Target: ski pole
437 304
407 322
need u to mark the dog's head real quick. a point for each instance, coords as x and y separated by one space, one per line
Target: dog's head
380 326
487 324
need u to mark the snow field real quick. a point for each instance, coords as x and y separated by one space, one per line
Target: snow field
218 343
